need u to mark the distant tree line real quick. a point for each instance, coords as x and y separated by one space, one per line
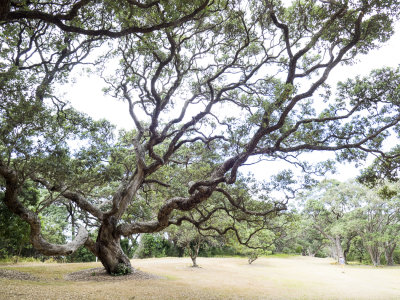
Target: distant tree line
348 221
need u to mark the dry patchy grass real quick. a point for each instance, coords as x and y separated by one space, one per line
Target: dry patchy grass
218 278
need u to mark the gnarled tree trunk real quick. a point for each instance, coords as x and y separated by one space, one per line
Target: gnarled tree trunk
109 249
194 251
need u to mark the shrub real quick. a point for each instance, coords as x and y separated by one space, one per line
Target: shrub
121 270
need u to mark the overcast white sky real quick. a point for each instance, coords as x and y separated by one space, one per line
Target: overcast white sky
86 95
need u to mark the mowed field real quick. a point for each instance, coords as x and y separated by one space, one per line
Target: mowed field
218 278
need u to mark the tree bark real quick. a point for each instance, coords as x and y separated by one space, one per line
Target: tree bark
339 250
333 251
4 9
109 249
195 265
194 252
375 255
348 245
389 249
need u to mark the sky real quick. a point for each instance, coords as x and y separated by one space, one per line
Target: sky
86 95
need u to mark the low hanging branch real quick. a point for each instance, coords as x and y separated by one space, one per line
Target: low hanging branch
36 238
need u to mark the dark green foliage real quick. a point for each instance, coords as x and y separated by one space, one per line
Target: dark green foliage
153 245
396 256
121 270
129 246
14 233
81 255
357 252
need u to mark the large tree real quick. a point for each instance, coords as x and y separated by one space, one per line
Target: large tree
344 212
327 208
187 70
377 221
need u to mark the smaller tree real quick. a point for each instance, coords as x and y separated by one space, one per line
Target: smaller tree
389 193
357 250
253 255
378 222
259 241
309 238
188 237
327 206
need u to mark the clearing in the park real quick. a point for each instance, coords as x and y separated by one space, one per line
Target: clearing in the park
217 278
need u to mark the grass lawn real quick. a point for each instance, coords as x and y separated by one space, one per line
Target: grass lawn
217 278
